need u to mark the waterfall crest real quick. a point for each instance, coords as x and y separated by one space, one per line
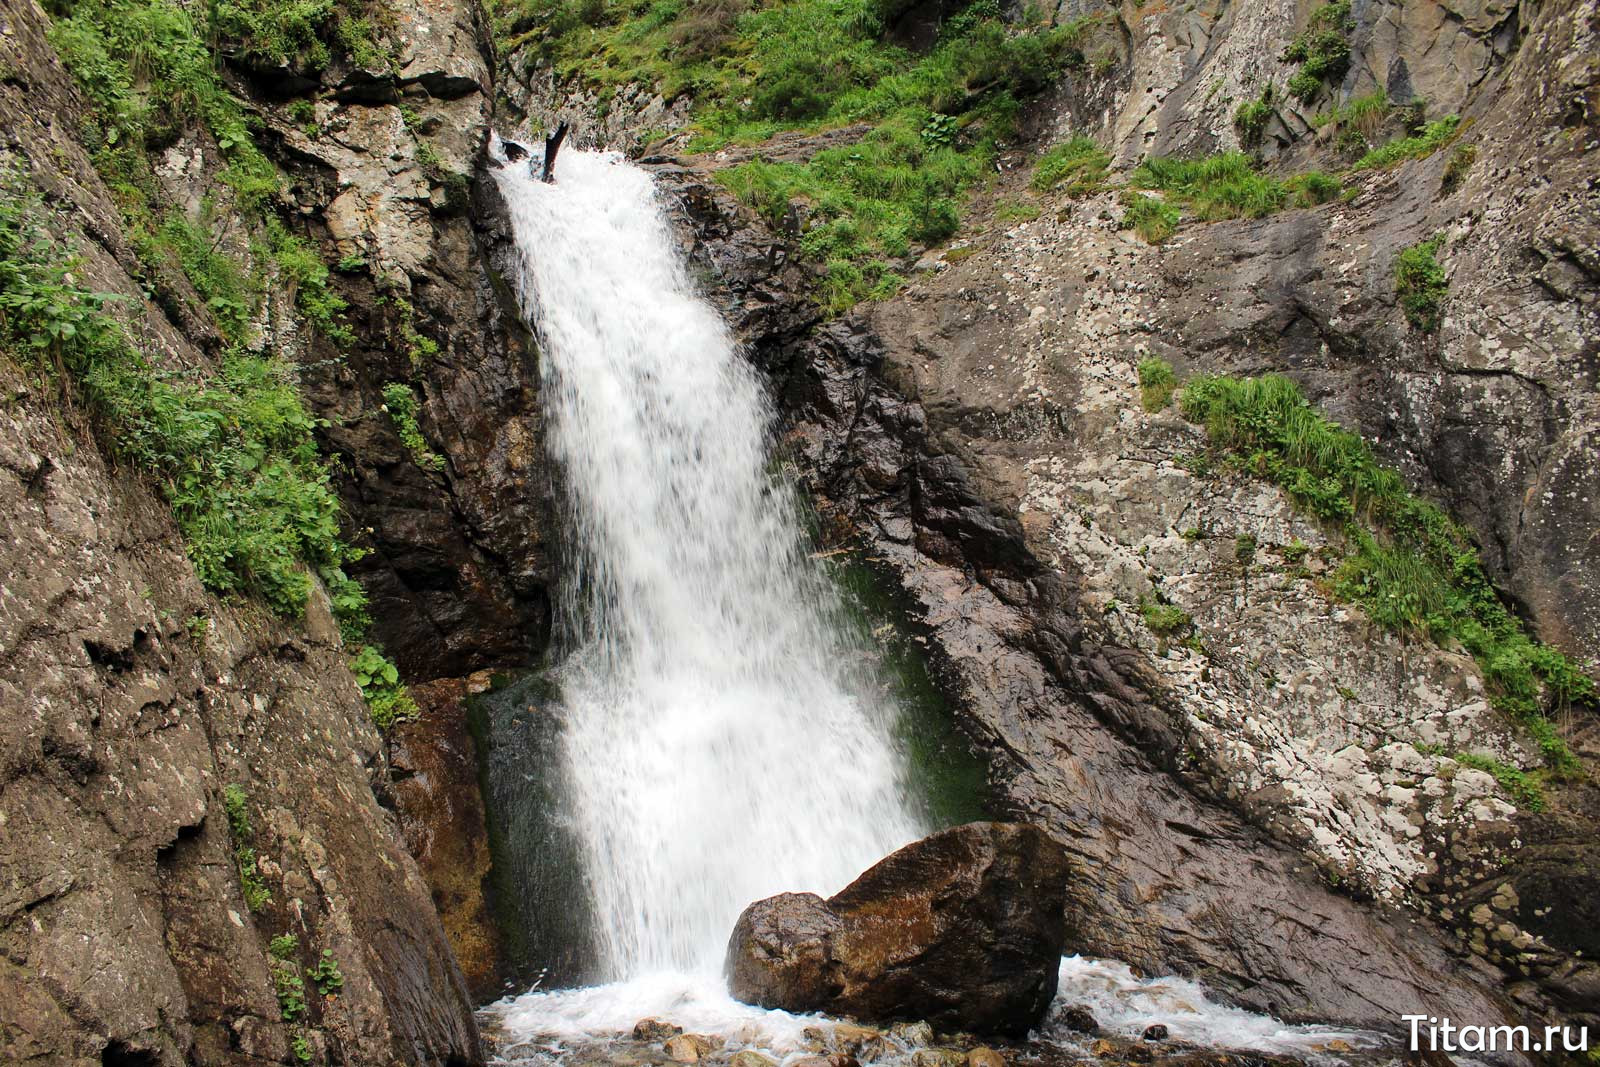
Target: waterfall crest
724 739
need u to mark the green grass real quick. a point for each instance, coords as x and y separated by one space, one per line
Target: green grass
1366 114
1228 186
1461 161
1409 566
756 70
1420 284
1152 218
1076 167
1252 117
1432 137
1156 384
302 35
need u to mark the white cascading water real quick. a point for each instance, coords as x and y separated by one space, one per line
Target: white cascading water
719 747
723 741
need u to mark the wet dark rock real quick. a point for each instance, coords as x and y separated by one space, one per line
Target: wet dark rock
1079 1019
963 929
1155 1032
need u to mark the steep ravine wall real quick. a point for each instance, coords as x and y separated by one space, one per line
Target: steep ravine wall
127 937
133 699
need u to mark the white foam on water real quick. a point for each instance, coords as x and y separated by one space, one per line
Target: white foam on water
1125 1004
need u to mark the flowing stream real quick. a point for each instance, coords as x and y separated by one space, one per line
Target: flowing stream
724 737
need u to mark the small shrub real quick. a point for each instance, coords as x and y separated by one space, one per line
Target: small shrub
1296 551
1080 164
1420 284
387 700
1164 620
1156 384
1244 548
1461 161
1322 49
283 947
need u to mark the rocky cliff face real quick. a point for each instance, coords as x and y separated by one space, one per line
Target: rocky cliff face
1267 799
202 863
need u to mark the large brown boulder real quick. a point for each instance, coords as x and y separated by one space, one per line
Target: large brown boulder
964 928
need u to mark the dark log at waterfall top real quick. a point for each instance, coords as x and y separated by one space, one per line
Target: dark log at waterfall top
964 928
552 145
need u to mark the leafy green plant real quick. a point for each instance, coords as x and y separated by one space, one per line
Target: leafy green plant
387 700
283 947
301 1048
325 974
236 806
1079 164
1156 384
1432 137
290 989
1420 283
1296 551
401 404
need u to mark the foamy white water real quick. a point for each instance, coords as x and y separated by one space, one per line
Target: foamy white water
720 746
1125 1004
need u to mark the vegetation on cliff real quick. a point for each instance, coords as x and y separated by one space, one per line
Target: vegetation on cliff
934 119
1409 565
233 449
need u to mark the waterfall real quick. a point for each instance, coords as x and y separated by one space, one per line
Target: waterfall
724 737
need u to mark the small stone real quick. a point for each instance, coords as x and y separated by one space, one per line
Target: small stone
1336 1045
1103 1049
1079 1019
985 1057
686 1048
654 1030
1155 1032
850 1038
747 1058
937 1057
913 1034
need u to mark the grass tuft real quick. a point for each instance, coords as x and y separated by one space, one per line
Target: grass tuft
1079 165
